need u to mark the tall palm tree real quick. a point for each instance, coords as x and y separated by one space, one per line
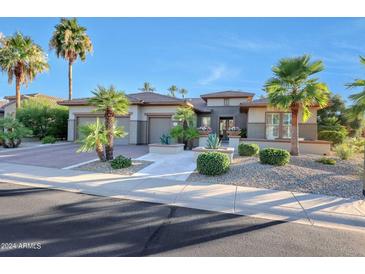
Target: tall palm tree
183 92
172 90
357 110
70 41
291 88
147 87
21 59
111 102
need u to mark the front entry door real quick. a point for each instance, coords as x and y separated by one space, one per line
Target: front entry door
224 124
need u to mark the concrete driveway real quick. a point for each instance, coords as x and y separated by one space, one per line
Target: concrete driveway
62 155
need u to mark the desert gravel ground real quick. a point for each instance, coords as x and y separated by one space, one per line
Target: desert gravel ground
302 174
104 167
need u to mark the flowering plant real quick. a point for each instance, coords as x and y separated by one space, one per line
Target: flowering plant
234 129
203 128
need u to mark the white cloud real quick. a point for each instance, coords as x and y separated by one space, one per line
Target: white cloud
216 73
252 45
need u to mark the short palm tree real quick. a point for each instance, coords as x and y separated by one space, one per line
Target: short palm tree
291 88
93 137
70 41
183 92
172 90
357 110
111 102
21 59
147 87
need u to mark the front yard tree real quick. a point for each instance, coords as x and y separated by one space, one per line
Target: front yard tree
21 59
357 110
111 102
186 130
291 88
70 42
93 138
147 87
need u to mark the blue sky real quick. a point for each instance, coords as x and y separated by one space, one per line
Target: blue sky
199 54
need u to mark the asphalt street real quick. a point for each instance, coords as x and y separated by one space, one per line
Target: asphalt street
44 222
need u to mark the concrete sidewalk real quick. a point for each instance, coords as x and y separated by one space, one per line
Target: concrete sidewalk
302 208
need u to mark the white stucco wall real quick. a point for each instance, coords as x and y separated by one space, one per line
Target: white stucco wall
155 109
218 102
257 115
10 110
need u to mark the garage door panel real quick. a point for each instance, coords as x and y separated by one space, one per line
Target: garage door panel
124 122
157 127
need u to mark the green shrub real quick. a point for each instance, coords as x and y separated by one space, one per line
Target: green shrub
248 149
44 118
12 132
344 151
120 162
213 163
357 143
336 137
273 156
49 140
326 161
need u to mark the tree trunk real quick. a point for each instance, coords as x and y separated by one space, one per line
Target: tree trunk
70 80
294 132
100 152
109 125
17 92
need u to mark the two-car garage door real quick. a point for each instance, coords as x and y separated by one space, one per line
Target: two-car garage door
121 121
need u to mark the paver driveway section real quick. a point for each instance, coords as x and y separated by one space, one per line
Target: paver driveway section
63 155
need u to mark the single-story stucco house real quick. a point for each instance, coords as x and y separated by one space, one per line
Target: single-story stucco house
150 116
8 108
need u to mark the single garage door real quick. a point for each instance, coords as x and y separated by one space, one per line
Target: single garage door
121 121
157 127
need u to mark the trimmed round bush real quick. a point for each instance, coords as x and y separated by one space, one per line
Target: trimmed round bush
49 140
274 156
248 149
212 163
336 137
120 162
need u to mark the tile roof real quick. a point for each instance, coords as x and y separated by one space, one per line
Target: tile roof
144 98
199 104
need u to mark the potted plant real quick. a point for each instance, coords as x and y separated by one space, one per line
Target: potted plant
234 131
205 131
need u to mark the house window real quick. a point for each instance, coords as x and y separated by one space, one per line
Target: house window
278 125
205 122
226 102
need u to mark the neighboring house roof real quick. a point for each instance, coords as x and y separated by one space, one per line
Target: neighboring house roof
140 98
199 104
30 95
227 94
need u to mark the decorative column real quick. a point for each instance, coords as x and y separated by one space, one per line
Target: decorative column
203 140
234 141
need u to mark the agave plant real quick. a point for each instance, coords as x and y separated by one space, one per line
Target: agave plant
213 141
165 139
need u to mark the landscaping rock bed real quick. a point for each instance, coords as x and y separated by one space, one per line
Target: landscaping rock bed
104 167
302 174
